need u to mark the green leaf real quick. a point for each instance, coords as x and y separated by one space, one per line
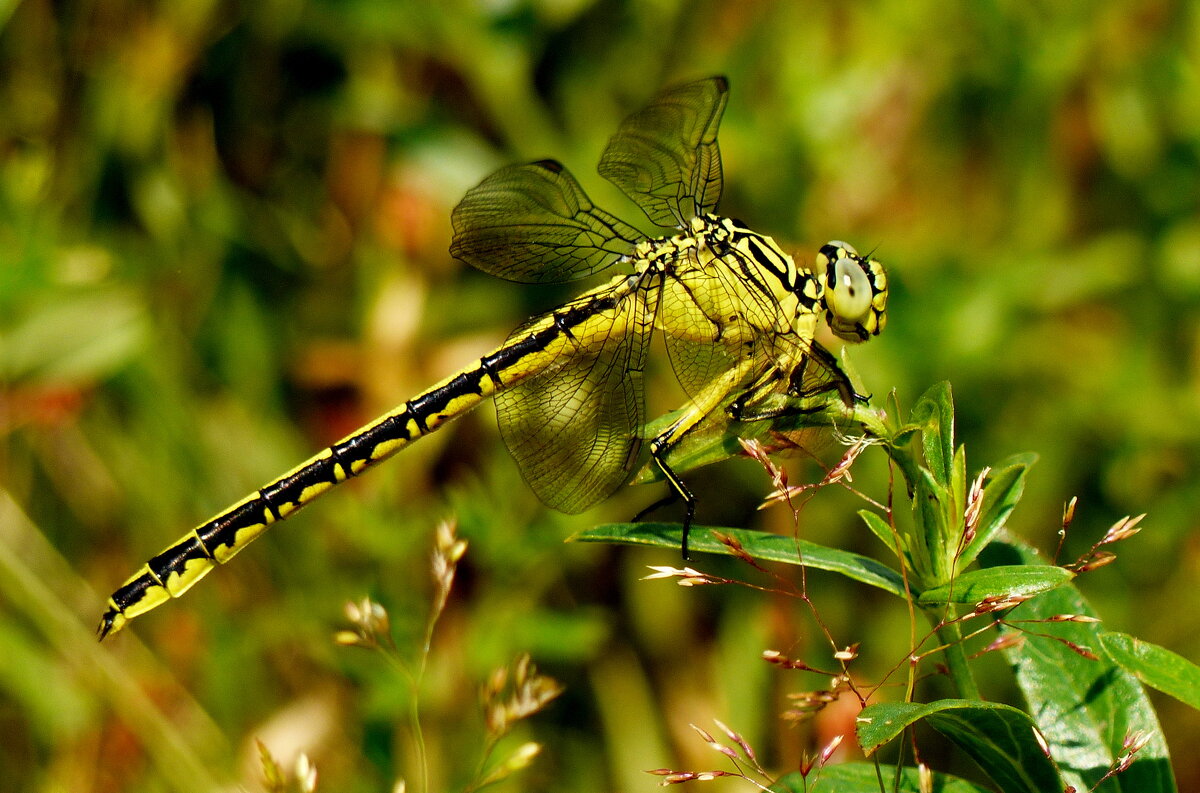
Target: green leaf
1000 738
864 778
958 480
1000 495
935 412
1085 708
931 507
904 434
1155 666
883 531
757 544
996 582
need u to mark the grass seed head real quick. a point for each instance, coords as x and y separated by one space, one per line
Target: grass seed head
509 697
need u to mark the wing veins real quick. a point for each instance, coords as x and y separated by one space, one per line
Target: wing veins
534 223
574 430
665 157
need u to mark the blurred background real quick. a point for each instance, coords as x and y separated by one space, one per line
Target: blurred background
223 245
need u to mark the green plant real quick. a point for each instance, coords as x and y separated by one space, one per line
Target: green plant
971 588
508 696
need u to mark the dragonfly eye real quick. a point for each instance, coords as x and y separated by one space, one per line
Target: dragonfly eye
850 293
850 290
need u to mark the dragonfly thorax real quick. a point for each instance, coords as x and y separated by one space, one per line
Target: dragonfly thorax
722 283
714 241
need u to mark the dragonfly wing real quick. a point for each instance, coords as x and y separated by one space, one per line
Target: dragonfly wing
665 156
575 429
533 223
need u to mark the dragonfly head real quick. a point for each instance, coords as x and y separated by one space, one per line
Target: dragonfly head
855 294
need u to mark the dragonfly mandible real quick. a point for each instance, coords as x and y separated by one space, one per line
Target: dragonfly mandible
738 315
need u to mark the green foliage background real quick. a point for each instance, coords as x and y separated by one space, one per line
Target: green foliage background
223 234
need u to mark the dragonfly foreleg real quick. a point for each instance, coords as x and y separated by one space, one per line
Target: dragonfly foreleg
773 408
837 379
763 402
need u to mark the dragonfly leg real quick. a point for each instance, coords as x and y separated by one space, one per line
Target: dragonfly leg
669 498
658 450
739 409
768 412
838 380
761 401
702 405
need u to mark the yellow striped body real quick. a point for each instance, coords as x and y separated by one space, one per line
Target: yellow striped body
556 337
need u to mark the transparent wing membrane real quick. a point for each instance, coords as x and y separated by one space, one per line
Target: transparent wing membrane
534 224
665 157
574 429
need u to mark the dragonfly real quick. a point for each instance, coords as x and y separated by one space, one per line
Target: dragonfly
738 315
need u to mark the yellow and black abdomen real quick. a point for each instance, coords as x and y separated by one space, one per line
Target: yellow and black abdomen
534 349
216 541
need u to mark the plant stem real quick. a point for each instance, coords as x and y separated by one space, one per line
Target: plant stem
950 636
948 632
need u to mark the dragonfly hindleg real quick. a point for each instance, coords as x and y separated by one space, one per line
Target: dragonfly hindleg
658 451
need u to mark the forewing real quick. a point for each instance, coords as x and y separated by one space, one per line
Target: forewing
665 157
533 223
574 430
